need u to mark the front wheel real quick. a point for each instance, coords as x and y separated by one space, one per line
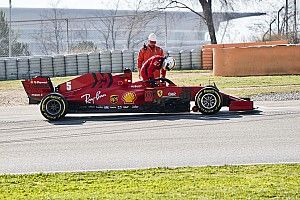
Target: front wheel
53 106
208 100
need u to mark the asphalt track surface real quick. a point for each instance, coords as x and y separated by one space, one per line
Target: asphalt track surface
30 144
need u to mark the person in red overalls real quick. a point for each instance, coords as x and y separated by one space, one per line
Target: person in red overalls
147 51
155 63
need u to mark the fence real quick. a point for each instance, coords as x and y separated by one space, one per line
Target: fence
58 31
76 64
286 21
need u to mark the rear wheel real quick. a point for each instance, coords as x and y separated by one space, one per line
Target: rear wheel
208 100
53 106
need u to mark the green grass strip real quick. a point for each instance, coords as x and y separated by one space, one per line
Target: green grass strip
239 86
225 182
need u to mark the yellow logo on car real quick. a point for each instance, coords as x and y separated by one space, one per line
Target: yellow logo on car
129 97
114 99
159 93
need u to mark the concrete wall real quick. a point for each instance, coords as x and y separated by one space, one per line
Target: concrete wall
207 50
263 60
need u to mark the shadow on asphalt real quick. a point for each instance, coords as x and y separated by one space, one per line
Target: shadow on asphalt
222 115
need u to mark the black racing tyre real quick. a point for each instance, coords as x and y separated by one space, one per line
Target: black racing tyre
208 100
53 106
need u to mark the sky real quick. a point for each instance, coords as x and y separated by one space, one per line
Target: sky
240 29
106 4
79 4
86 4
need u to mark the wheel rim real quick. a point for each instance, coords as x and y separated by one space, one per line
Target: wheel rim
208 101
53 107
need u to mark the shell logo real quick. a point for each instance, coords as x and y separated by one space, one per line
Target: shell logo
129 97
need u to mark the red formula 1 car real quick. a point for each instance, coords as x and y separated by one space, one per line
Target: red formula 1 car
104 92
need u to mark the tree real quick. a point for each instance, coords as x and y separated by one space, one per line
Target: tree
18 48
136 23
107 25
207 6
51 34
84 47
207 15
127 25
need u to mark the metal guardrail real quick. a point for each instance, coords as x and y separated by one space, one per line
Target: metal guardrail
75 64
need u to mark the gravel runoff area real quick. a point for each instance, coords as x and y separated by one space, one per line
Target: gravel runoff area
277 97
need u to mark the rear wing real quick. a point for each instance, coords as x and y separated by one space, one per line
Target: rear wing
37 87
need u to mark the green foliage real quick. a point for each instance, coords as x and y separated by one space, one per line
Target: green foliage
18 48
225 182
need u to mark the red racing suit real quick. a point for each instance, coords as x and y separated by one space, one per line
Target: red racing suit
147 52
151 65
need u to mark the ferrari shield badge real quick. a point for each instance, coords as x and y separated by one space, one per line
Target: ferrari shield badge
129 97
159 93
114 99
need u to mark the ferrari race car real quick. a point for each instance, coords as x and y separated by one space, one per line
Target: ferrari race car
104 92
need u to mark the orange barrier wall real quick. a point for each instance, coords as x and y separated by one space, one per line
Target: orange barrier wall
264 60
207 51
